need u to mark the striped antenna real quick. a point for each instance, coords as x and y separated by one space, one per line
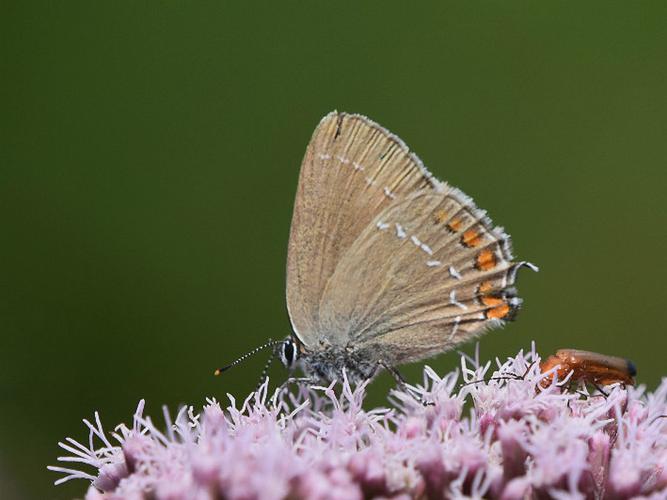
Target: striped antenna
270 343
265 371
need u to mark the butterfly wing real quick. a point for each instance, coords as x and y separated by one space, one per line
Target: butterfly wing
353 170
430 271
386 259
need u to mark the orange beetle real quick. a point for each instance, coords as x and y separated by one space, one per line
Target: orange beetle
589 367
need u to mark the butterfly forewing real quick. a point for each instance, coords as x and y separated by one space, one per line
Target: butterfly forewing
353 169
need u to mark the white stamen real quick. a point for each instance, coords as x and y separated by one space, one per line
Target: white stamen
357 166
426 248
325 156
457 320
382 225
342 159
433 263
370 181
400 232
415 240
454 273
388 193
454 302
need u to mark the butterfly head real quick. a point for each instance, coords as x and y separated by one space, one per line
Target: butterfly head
288 352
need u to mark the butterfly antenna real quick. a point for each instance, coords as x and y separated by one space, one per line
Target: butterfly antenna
265 371
270 343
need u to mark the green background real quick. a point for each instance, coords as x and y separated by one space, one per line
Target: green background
149 154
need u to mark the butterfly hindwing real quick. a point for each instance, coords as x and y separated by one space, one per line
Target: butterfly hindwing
429 273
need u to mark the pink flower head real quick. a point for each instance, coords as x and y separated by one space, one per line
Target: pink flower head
476 432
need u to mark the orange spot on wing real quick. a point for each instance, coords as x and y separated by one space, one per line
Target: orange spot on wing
485 286
440 217
454 225
491 301
471 238
498 312
486 260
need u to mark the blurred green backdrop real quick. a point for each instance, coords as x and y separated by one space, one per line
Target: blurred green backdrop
149 154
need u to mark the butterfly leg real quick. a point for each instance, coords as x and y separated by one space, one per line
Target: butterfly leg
265 372
402 383
290 380
394 373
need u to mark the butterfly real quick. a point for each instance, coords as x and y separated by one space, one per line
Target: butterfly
386 264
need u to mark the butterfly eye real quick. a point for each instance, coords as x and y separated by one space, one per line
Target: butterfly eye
288 353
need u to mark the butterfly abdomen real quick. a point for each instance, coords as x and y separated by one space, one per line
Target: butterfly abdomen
337 363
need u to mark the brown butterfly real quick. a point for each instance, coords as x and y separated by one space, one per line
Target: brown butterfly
386 264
